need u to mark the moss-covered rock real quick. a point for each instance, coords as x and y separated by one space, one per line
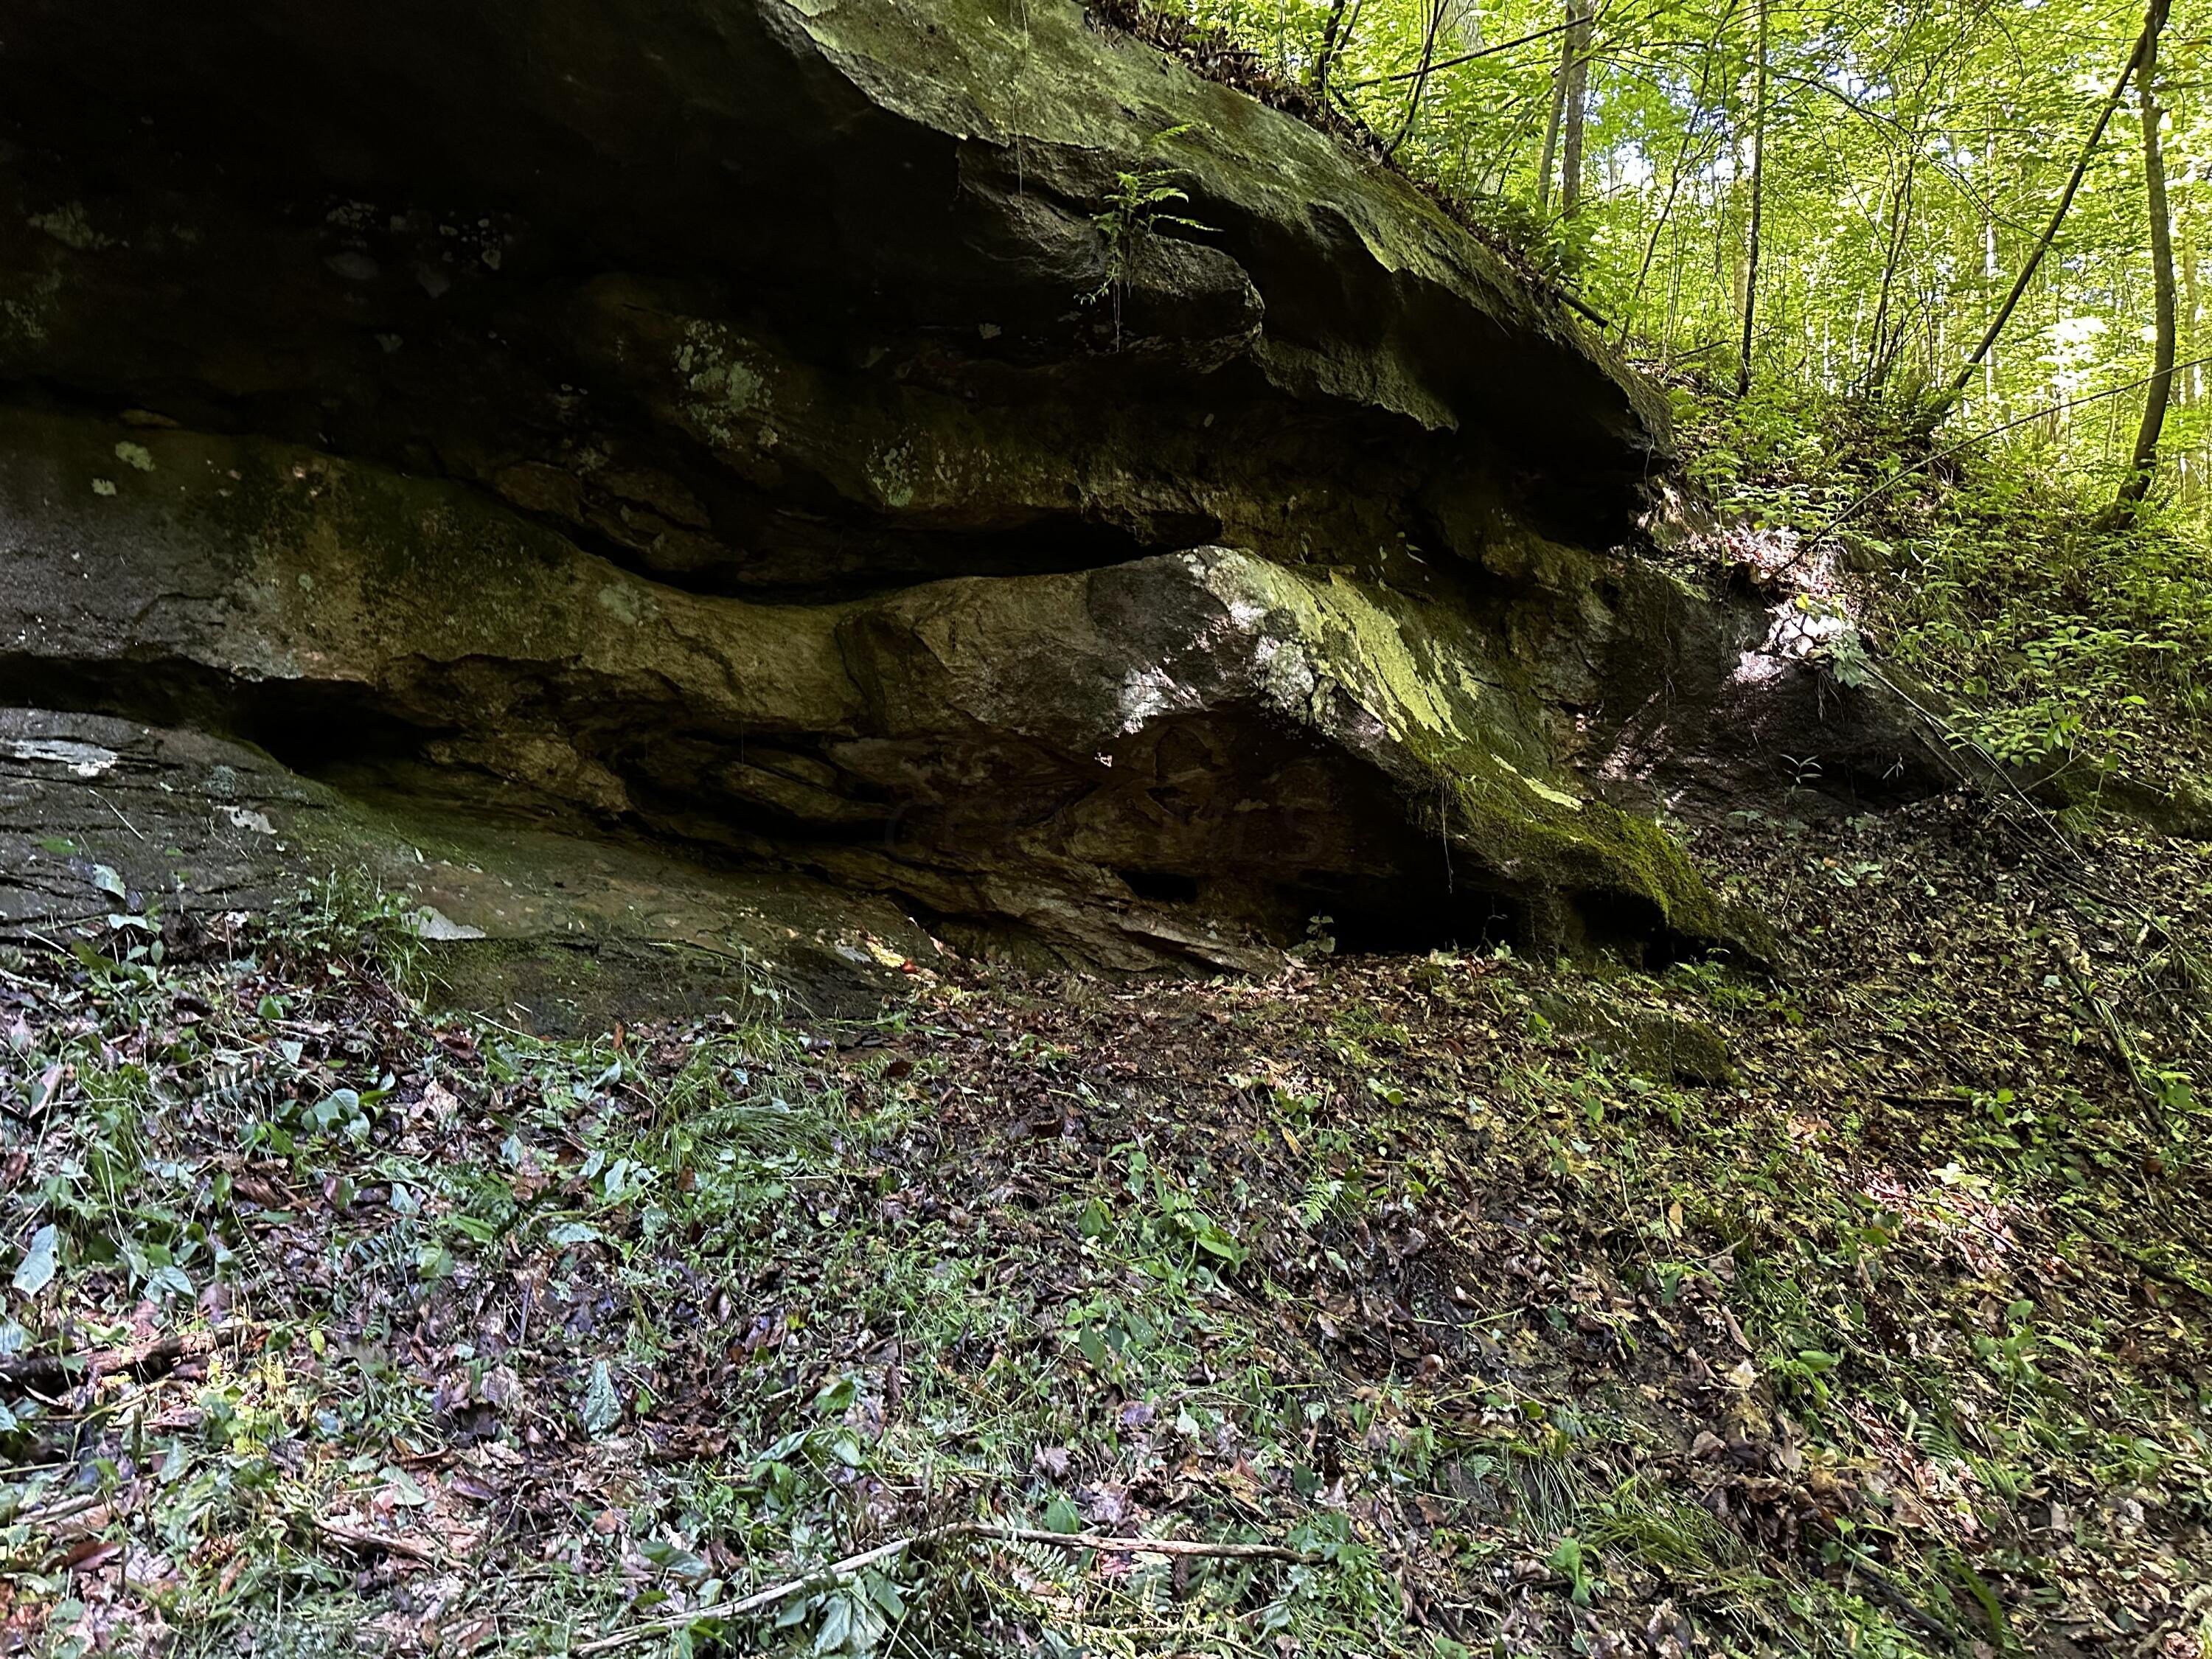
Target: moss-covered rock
1655 1043
1191 753
733 421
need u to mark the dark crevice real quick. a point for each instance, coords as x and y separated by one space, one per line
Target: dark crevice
888 557
1469 913
1160 886
1625 925
336 736
1393 924
301 723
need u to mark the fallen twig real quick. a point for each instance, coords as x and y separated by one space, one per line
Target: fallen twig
760 1600
82 1514
1111 1545
140 1360
362 1538
1892 1592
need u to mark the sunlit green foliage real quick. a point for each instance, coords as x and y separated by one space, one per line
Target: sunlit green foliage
1914 152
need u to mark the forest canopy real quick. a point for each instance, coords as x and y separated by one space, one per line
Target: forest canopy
1865 184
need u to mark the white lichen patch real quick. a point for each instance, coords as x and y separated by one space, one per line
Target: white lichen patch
891 471
83 760
623 603
136 455
68 225
1286 671
103 486
26 317
1805 624
726 391
1149 692
434 925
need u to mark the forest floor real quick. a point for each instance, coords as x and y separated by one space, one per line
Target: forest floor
1863 1310
1436 1305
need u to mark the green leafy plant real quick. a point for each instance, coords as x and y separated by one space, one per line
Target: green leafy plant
1133 213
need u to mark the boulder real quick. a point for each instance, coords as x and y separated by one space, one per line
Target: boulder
1184 753
937 452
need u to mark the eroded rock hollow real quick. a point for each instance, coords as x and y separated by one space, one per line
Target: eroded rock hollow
743 436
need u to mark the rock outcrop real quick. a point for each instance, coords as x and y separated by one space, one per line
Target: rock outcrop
801 441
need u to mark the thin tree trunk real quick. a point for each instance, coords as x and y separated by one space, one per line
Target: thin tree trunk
2193 390
1882 348
1989 272
1673 302
1559 78
1421 79
1758 205
1728 265
1578 107
1328 46
1651 243
1891 330
2144 462
1674 191
1965 375
1499 163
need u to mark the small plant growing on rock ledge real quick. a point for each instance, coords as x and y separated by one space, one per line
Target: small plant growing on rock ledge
1134 211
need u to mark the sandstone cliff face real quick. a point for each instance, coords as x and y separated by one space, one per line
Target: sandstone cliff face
740 425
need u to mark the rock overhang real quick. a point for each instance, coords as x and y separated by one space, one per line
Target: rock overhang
806 500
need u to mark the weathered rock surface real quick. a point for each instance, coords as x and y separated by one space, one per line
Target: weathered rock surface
726 422
127 832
